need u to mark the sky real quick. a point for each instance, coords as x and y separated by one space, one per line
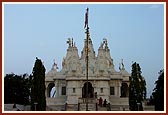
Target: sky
135 33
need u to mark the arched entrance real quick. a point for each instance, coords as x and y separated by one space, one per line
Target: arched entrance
90 90
124 90
51 87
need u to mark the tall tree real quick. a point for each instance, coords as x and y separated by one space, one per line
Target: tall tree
158 93
137 88
38 100
16 88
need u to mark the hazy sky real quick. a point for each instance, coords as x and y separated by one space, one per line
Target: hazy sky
135 32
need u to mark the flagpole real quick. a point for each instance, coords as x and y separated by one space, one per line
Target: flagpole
87 56
87 60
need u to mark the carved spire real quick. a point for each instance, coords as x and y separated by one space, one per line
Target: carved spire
88 46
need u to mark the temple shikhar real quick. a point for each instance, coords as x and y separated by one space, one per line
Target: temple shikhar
86 78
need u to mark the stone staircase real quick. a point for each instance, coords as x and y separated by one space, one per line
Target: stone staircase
91 107
71 107
102 108
92 104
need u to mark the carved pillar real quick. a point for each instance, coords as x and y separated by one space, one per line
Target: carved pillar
56 88
119 89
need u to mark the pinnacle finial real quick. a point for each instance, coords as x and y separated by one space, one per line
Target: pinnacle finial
105 42
69 42
72 42
122 64
119 66
54 65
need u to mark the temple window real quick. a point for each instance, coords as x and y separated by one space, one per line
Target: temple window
101 90
111 90
74 90
63 90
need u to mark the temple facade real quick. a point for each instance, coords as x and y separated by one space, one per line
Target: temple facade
88 80
104 81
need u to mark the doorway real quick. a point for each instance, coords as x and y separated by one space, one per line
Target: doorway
90 90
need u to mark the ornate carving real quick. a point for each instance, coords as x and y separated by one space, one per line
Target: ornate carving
105 42
69 42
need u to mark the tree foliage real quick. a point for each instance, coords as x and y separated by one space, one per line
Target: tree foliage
158 94
38 87
137 88
17 88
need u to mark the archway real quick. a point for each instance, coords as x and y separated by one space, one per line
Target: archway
124 90
50 90
90 90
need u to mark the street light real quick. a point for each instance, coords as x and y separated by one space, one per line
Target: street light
35 103
138 105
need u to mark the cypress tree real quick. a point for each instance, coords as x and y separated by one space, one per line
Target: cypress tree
137 88
38 99
158 93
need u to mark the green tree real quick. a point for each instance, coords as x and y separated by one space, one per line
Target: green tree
38 99
17 88
137 88
158 94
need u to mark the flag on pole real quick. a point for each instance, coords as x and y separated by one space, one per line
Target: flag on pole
86 17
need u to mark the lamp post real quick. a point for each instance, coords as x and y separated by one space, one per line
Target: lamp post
138 105
35 104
